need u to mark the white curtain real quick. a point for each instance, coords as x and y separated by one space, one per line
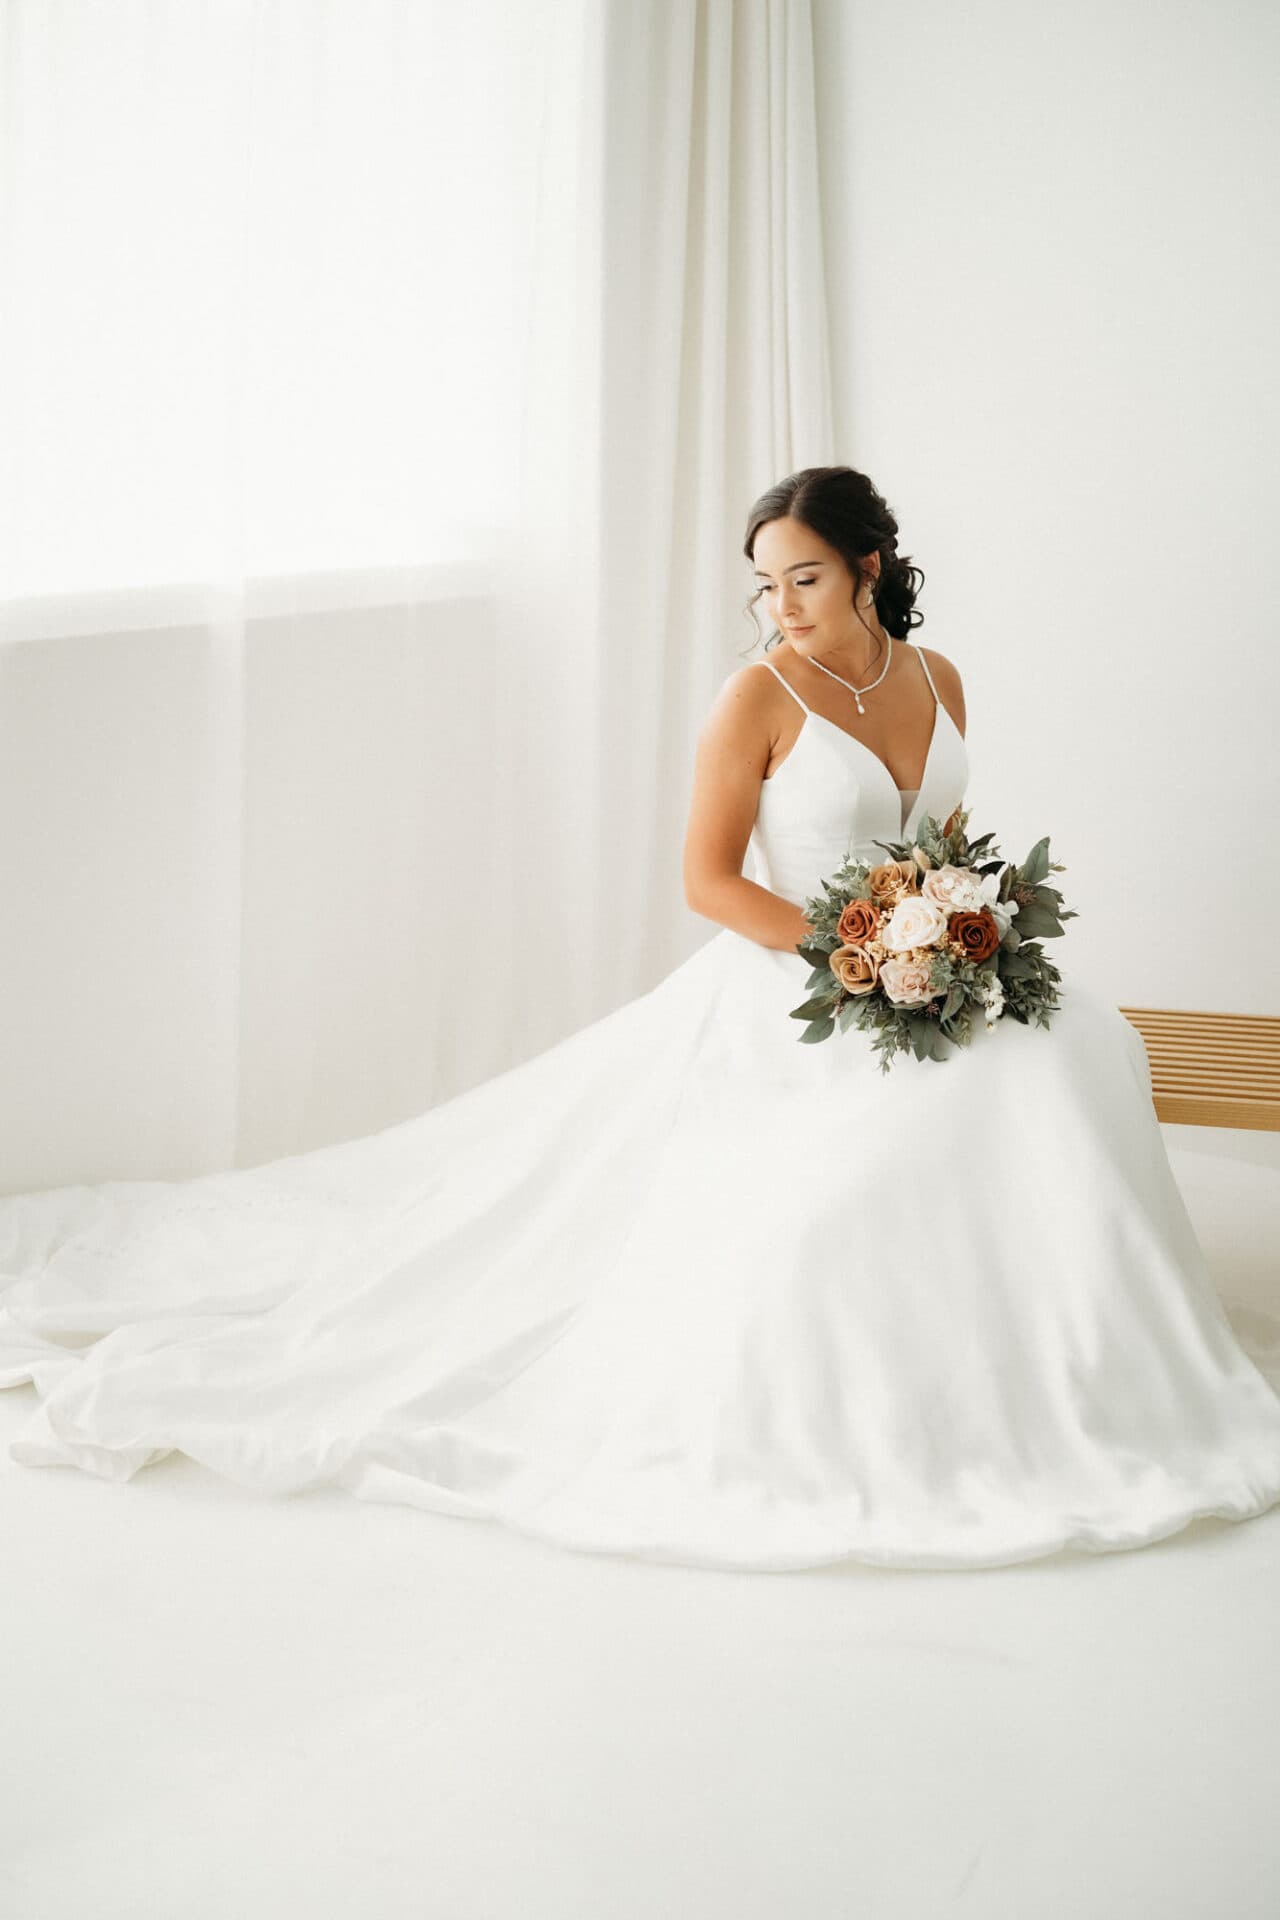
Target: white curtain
383 389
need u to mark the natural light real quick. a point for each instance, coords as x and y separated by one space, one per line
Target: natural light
242 340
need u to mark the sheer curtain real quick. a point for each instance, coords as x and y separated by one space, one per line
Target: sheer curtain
383 388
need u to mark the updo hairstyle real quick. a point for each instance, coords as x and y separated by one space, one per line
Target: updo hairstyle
844 509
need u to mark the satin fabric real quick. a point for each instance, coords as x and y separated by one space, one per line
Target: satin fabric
684 1288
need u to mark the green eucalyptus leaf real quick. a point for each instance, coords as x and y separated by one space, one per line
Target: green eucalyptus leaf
1036 864
813 1009
1034 922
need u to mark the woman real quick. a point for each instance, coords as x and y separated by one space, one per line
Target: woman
679 1287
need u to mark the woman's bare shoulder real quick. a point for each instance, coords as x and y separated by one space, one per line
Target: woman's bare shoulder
946 676
746 698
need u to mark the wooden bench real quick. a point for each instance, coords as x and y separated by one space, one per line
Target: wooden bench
1212 1069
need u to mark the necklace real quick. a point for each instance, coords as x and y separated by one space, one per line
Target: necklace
858 692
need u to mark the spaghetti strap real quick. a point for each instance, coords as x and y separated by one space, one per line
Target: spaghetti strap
925 664
786 683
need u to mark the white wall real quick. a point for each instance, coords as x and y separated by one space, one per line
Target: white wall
248 888
1054 301
369 946
118 964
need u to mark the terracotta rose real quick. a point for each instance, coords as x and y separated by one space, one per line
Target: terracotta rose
977 933
859 923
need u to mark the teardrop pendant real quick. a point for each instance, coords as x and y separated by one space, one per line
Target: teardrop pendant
857 692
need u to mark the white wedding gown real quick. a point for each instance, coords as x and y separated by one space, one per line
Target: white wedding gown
686 1288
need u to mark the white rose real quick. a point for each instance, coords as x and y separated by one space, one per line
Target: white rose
915 922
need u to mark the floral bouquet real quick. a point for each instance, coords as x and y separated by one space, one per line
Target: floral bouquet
907 950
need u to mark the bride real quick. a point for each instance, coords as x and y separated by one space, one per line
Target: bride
680 1287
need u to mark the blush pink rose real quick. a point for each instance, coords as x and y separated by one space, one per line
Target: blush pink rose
951 887
906 982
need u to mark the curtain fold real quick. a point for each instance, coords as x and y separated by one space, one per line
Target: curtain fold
350 673
717 383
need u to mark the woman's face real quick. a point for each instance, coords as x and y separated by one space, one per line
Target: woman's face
808 589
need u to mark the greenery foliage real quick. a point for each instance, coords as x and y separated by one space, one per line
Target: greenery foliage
1018 975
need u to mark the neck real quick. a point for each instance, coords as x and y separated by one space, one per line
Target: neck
854 656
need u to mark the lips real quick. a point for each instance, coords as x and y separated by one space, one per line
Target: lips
808 629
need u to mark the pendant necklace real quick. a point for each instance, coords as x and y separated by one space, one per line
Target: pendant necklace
858 692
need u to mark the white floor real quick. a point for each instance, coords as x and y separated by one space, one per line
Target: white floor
222 1705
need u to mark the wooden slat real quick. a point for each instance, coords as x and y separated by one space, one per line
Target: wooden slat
1245 1058
1212 1069
1209 1013
1178 1016
1223 1075
1221 1023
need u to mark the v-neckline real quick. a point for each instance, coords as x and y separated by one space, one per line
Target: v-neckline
913 809
812 714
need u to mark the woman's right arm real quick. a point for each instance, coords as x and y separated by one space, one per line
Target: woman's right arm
734 748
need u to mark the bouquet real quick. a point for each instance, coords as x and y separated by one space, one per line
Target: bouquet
911 949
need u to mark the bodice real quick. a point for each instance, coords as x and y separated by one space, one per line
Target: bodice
832 798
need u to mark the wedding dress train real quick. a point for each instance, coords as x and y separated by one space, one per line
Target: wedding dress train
684 1288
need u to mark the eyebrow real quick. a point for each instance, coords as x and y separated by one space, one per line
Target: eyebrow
799 563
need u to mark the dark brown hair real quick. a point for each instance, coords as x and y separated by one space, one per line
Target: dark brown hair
844 509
